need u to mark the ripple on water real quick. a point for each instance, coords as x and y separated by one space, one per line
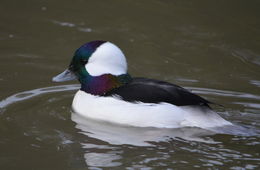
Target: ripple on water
107 145
79 27
247 56
255 82
22 96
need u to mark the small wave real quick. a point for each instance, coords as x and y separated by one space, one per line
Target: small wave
232 130
255 82
35 92
224 93
64 24
251 105
72 25
247 56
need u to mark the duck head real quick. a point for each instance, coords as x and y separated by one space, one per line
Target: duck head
99 66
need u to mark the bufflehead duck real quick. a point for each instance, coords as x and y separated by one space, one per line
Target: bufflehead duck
109 93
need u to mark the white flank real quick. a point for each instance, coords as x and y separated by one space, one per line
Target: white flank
163 115
107 58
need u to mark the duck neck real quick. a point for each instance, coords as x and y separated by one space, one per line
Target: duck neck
100 85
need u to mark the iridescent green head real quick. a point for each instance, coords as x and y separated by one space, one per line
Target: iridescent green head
97 63
81 58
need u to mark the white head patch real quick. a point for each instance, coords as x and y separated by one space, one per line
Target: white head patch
107 59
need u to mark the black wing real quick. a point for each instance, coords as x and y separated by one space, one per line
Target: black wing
154 91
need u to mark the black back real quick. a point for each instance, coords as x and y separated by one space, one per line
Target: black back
155 91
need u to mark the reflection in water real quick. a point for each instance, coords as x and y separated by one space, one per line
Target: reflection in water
106 145
101 155
119 134
107 159
202 43
113 134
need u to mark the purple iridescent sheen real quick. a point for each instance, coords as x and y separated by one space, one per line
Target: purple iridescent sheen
99 85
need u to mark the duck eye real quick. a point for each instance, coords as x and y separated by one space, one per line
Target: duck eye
83 61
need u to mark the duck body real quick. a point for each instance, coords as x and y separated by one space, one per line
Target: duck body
108 93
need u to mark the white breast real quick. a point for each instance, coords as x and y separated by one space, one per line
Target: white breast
163 115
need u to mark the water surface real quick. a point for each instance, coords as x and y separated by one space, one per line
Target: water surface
210 47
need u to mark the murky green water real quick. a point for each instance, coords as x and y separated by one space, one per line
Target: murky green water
211 47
